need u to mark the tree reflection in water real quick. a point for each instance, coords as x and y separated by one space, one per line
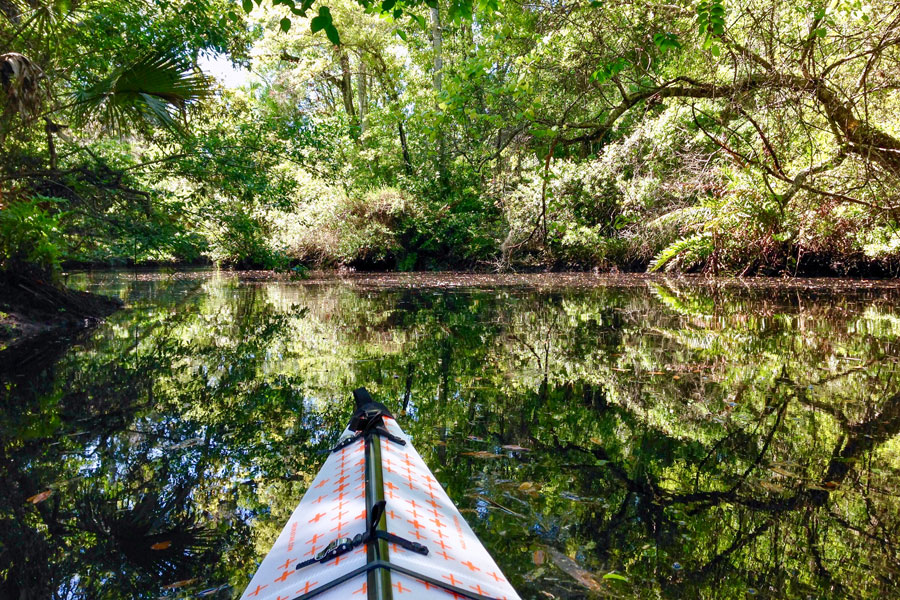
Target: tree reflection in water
699 440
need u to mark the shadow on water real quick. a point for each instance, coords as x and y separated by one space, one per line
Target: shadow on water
639 438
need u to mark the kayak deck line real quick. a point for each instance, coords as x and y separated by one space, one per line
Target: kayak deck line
375 524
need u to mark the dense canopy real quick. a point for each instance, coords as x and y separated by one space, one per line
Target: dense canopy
735 136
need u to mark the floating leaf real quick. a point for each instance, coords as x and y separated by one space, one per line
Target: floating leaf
161 545
481 454
529 487
40 497
571 568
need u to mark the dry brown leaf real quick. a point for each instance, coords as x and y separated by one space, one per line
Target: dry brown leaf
40 497
161 545
571 568
178 584
481 454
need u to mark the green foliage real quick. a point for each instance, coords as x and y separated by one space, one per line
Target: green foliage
151 90
571 137
684 254
711 23
30 237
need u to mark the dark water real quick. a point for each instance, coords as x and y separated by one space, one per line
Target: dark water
698 440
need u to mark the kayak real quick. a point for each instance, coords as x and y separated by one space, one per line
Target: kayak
375 524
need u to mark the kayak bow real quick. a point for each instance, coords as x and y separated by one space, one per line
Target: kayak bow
376 524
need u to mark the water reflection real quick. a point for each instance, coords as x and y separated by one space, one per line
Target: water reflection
643 438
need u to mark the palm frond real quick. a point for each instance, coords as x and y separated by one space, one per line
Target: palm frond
153 90
20 81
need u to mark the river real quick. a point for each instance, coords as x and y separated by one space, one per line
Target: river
624 436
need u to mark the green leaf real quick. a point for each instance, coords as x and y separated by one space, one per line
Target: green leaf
332 33
247 5
285 24
615 577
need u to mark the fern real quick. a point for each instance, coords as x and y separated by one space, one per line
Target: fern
689 251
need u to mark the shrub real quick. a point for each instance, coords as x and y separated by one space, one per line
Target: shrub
30 240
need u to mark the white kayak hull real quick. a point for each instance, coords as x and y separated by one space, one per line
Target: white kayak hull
416 508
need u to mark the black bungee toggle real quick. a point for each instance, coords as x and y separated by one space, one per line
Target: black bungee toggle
345 544
367 420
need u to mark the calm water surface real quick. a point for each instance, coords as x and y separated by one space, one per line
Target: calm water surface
627 437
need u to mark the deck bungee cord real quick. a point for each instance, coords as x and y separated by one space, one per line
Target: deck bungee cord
375 524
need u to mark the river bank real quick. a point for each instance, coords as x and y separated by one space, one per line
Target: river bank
34 308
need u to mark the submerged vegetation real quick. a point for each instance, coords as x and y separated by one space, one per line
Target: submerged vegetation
723 136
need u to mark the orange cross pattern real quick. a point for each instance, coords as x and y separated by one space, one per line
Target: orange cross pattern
437 522
415 523
418 535
390 485
258 589
444 555
361 515
395 549
286 564
318 500
339 527
392 515
438 532
400 588
362 590
284 576
338 559
316 518
442 544
312 551
470 566
453 580
314 539
494 575
478 589
340 515
305 588
323 482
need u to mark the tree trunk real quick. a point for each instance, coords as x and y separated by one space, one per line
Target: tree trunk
394 98
347 91
407 163
437 42
363 101
437 39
